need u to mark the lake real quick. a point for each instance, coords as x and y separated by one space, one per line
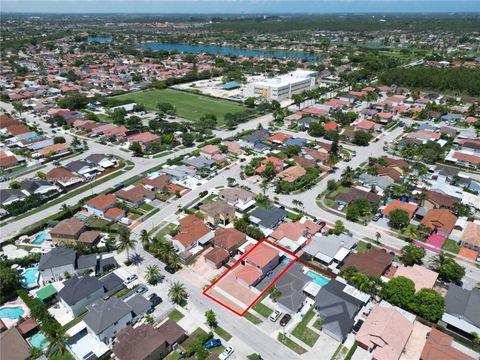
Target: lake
99 39
195 49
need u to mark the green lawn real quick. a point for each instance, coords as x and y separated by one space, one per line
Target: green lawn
362 247
341 189
252 318
146 207
194 336
188 106
164 231
224 334
303 333
291 344
263 310
64 356
176 315
451 245
318 324
173 356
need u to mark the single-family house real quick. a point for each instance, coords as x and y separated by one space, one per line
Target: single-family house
268 218
145 139
355 194
56 263
294 235
147 342
384 333
67 231
462 314
422 277
329 249
38 186
374 262
192 232
229 239
470 236
337 305
240 198
216 257
135 195
63 177
218 212
439 346
291 174
100 204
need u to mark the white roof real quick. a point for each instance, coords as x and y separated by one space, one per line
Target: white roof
312 288
341 254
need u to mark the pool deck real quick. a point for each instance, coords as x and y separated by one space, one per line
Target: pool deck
15 303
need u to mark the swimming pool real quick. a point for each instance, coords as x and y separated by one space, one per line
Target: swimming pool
29 278
154 173
39 341
40 238
11 312
81 217
317 278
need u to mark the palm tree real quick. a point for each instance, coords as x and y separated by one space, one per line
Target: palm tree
144 238
66 209
347 176
174 262
177 293
438 261
410 232
264 186
57 341
152 274
126 243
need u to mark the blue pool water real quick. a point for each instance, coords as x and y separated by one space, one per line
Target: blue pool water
11 312
40 238
318 279
81 217
286 261
39 341
154 173
29 277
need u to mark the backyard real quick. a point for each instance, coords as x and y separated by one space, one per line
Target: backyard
188 106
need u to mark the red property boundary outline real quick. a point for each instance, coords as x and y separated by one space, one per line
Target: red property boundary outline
295 258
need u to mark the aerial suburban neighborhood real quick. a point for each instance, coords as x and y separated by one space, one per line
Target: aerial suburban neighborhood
177 184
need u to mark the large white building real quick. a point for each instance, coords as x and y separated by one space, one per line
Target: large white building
284 86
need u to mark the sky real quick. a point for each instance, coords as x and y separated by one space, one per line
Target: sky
239 6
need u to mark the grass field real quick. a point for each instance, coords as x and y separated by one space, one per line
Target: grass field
189 106
303 333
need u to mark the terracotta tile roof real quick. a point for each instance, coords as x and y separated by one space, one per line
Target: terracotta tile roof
102 201
261 255
420 275
233 147
114 213
471 234
440 199
397 204
386 331
229 238
144 137
439 347
367 125
68 227
89 237
6 121
295 230
467 253
217 256
279 137
330 126
157 182
473 159
373 262
210 149
136 194
7 160
27 326
191 229
292 173
221 208
17 129
248 274
55 147
304 162
440 219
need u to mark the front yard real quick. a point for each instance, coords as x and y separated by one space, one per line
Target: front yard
303 333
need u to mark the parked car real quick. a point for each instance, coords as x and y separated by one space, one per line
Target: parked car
376 217
285 319
131 278
170 269
212 344
275 315
226 353
357 326
141 289
204 193
341 207
155 300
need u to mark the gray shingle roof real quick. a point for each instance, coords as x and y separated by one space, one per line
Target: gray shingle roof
337 309
56 257
7 195
111 281
291 286
464 303
138 304
269 217
87 261
329 245
102 314
76 289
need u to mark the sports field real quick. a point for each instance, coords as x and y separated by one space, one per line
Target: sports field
189 106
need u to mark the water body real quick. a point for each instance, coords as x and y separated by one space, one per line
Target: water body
195 49
99 39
